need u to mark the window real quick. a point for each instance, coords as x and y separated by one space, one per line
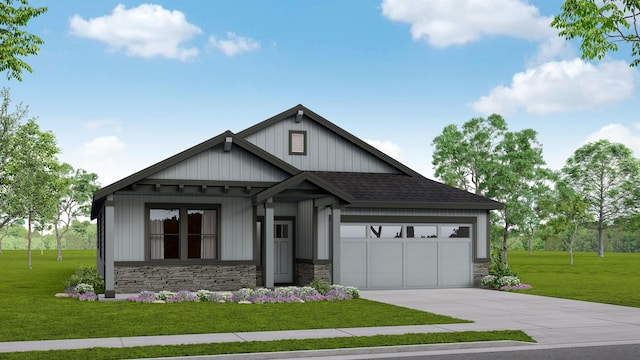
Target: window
353 231
297 142
182 232
422 231
385 231
456 231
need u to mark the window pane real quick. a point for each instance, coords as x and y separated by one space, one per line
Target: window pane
385 231
201 236
353 231
422 231
297 143
456 231
164 232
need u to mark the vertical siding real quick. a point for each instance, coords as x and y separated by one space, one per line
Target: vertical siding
481 248
304 230
326 151
216 164
236 217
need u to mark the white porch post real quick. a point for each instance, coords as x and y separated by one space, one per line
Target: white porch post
335 237
109 226
269 266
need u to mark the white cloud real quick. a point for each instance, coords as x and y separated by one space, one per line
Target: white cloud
619 133
145 31
101 124
442 23
104 146
234 44
388 147
561 86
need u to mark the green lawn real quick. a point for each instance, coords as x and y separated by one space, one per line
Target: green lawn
30 312
613 279
269 346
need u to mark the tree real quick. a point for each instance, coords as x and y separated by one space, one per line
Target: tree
9 122
32 176
76 192
602 25
461 157
14 42
531 220
570 211
487 159
605 174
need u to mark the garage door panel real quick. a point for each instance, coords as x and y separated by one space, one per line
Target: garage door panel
385 264
456 263
422 265
353 264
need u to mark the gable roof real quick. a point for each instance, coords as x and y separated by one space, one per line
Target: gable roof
100 194
397 190
333 128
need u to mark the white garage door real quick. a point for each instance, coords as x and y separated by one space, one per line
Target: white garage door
388 256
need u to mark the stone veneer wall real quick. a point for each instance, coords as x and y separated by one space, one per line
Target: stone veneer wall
309 272
480 270
133 279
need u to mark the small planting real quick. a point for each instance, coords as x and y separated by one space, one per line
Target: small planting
291 294
85 275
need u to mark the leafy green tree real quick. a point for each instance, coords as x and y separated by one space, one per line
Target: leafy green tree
487 159
10 119
14 42
32 173
76 192
602 25
605 174
536 200
570 211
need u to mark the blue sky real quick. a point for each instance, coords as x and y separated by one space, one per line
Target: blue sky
126 84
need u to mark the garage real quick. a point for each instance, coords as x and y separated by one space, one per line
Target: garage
409 255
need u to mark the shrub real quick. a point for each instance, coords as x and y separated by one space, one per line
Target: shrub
498 267
321 286
83 288
86 275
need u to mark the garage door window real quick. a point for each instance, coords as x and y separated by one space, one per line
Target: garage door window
353 231
421 231
455 231
385 231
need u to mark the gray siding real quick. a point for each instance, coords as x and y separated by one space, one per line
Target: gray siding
236 233
326 151
216 164
409 212
304 230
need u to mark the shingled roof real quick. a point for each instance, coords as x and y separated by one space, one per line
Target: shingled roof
398 190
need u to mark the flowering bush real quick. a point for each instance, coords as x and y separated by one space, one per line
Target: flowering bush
504 283
290 294
83 288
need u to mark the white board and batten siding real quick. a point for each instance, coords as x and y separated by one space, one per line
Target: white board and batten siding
216 164
236 221
326 151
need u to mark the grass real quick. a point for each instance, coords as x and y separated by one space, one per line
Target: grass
30 312
270 346
612 279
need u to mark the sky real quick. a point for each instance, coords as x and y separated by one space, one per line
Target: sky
126 84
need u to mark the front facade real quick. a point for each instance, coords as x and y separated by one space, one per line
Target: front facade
291 199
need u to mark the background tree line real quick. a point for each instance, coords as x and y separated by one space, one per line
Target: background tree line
591 204
37 191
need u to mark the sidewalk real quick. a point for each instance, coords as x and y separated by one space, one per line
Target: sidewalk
550 321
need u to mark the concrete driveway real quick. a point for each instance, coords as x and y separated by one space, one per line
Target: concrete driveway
548 320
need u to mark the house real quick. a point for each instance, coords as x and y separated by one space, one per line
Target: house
288 200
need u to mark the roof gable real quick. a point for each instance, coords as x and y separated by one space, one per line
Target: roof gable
331 148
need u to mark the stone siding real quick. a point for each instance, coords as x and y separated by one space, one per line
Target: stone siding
308 272
480 270
133 279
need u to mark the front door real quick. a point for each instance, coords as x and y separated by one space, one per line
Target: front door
283 251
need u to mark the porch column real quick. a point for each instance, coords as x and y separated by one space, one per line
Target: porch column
335 237
269 266
109 239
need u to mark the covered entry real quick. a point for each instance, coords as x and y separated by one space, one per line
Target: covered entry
386 256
